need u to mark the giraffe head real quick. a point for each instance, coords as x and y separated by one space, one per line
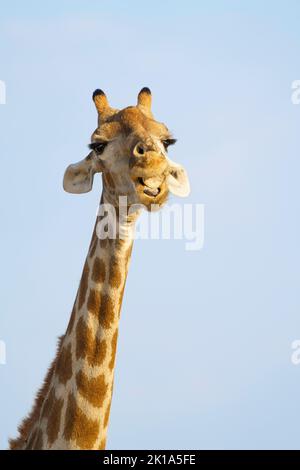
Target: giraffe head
130 148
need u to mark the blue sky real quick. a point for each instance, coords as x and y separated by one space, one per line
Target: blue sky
204 356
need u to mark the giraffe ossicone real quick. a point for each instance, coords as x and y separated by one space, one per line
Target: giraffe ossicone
129 147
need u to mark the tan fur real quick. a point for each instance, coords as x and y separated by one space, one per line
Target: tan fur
54 419
99 270
78 427
94 389
63 368
72 408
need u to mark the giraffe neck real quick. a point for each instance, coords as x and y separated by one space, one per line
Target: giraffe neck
75 412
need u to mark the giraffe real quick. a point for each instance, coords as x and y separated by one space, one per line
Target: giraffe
129 147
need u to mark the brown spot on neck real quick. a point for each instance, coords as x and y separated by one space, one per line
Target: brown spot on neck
94 302
78 427
108 312
83 285
64 364
93 389
88 346
104 243
113 350
94 244
102 306
115 277
53 424
98 274
48 403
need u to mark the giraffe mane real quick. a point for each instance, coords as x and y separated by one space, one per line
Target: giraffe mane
30 420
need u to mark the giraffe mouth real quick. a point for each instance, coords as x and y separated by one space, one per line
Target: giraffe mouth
150 186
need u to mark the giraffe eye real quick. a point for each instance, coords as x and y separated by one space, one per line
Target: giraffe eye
168 142
98 147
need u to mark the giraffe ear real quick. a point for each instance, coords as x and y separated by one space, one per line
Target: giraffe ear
177 180
78 177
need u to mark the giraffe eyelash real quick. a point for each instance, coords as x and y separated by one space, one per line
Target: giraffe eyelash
98 147
167 142
94 145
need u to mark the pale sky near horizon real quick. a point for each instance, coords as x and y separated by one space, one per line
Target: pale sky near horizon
204 354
